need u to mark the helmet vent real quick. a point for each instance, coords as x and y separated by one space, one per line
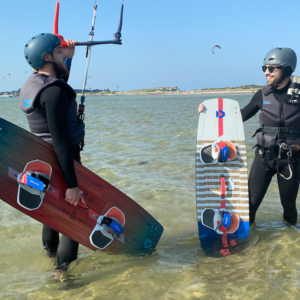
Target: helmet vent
42 33
30 63
279 48
26 57
271 58
33 38
26 45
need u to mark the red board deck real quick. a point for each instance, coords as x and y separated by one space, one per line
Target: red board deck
18 147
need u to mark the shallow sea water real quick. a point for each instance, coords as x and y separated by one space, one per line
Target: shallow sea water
145 146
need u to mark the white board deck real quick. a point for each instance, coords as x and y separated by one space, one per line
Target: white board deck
221 120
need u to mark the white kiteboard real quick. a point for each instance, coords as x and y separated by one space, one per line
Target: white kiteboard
221 177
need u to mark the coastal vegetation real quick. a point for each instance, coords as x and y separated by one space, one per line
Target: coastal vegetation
241 87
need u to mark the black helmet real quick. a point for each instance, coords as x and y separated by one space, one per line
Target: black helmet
38 46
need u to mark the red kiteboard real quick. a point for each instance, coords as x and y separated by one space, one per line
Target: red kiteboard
100 224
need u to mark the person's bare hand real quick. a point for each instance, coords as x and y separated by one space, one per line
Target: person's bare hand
70 50
73 196
201 107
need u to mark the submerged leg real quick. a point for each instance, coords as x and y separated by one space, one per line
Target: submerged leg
259 181
67 251
288 191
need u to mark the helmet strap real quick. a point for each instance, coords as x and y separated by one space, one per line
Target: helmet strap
286 72
49 62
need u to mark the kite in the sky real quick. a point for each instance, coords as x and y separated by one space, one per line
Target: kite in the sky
117 86
213 49
8 74
26 72
4 78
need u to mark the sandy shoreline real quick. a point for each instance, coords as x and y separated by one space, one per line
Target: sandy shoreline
173 93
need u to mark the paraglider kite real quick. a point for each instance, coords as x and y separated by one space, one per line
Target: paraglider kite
213 49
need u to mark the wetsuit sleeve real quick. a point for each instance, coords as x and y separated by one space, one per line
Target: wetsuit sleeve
252 107
55 101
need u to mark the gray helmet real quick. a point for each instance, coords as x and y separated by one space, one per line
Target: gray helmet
38 46
286 57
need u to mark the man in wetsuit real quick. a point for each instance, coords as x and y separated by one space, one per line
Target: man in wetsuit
49 104
279 124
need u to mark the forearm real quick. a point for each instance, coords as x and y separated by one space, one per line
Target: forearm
252 107
249 111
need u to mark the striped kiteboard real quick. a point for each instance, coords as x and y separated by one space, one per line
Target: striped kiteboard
221 120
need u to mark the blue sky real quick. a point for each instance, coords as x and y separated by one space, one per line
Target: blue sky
165 41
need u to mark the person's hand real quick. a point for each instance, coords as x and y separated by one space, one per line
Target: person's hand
73 196
70 50
201 107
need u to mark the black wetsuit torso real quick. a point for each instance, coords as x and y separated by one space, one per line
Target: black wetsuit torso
256 102
260 177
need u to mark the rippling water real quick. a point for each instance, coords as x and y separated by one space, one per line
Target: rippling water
145 146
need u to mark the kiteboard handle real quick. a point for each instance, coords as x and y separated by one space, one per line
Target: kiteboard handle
82 205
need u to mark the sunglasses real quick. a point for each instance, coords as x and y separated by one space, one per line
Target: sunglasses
271 69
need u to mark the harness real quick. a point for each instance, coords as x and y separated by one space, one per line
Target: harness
282 148
279 133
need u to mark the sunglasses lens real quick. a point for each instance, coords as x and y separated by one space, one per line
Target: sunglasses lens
271 69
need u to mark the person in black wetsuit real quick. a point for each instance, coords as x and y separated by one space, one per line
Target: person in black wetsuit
279 125
49 104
